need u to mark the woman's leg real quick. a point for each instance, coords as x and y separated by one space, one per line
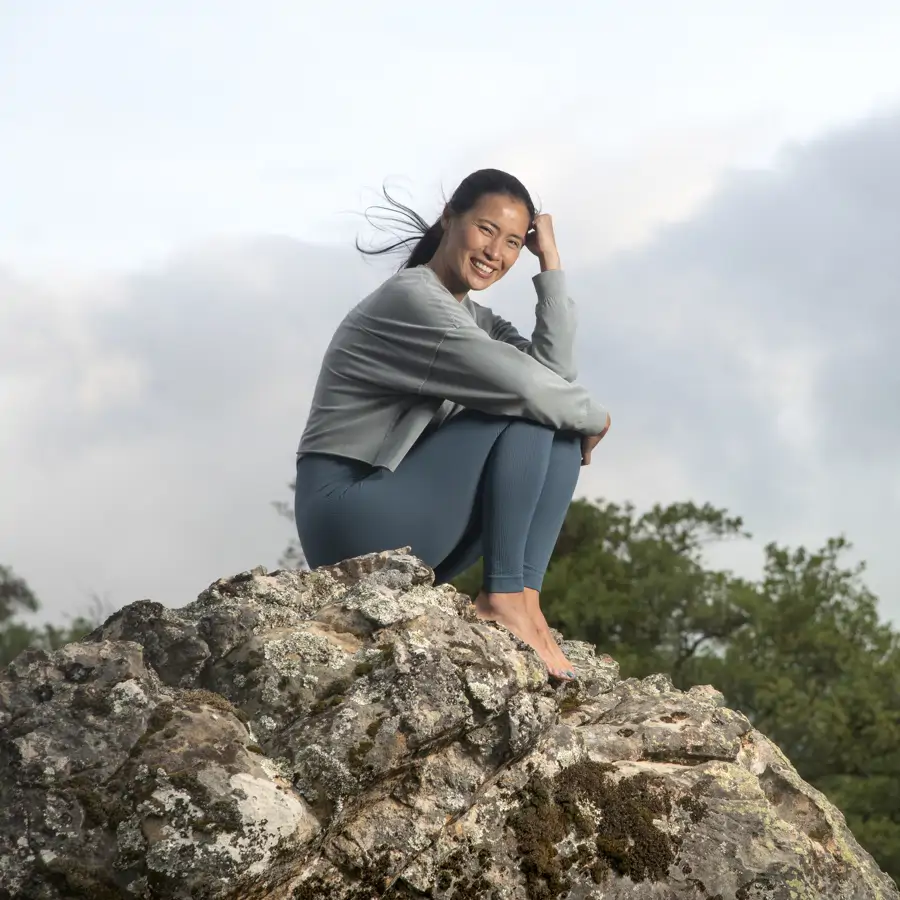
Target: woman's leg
552 506
554 498
559 487
503 473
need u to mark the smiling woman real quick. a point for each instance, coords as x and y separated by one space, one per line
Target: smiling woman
436 425
490 212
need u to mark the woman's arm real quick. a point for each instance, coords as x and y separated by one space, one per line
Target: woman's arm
419 340
553 340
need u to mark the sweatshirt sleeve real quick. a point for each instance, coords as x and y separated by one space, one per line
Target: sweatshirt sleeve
424 342
553 341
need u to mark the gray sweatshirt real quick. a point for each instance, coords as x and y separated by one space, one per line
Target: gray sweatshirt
410 354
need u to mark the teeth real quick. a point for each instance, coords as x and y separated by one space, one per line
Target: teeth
482 267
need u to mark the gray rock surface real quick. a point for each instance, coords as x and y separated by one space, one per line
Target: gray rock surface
355 732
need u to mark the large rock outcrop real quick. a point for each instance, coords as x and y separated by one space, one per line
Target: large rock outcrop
355 732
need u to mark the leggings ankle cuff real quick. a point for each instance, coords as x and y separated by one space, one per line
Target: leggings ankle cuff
503 584
533 579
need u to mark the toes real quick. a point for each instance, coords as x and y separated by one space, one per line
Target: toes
562 674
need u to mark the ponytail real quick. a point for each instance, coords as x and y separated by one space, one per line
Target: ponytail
400 219
426 247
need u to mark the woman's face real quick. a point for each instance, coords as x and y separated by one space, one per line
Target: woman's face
481 245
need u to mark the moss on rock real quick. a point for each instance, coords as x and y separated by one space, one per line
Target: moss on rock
608 824
460 881
216 701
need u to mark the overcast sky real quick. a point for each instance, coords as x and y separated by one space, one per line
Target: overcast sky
180 189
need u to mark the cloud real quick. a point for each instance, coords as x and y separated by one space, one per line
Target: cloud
614 195
746 351
144 434
756 341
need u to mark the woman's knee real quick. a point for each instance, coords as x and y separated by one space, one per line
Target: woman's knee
566 450
563 447
527 430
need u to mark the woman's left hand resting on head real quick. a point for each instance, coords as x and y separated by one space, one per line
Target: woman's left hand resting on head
542 242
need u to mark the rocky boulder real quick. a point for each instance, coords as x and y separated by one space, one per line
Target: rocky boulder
355 732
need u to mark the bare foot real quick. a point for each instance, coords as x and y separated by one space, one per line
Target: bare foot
560 662
510 611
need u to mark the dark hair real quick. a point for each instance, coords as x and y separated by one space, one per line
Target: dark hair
425 238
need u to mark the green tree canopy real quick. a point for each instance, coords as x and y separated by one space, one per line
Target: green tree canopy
16 597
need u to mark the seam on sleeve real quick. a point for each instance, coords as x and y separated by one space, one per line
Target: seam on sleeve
437 348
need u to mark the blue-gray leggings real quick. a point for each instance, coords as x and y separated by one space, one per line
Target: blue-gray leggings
479 485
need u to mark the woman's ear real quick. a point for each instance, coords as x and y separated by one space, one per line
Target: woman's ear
446 215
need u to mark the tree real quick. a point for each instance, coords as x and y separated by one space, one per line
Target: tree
816 671
293 556
17 597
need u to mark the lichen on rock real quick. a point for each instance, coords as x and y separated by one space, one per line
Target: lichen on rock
356 732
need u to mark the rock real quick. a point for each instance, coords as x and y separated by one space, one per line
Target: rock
355 732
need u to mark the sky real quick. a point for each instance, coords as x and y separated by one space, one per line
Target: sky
182 184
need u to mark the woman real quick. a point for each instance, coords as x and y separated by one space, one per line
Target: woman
436 425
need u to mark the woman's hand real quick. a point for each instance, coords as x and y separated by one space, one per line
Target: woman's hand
542 242
589 441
